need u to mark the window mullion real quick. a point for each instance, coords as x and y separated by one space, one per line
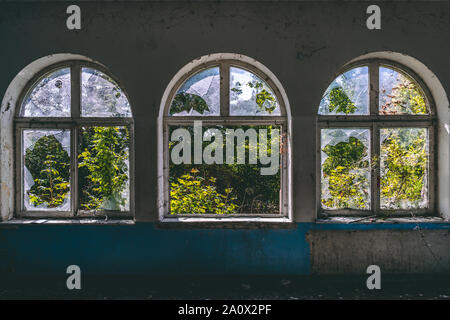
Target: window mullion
75 91
74 171
375 136
375 166
224 89
374 87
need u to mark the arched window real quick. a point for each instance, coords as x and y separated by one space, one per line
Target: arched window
376 142
225 143
74 144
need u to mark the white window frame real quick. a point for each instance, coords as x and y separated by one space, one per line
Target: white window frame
73 123
224 62
374 122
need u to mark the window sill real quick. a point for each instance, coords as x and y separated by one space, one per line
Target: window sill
68 222
379 220
226 223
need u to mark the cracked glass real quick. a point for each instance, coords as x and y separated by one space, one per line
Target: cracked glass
103 168
348 94
199 95
250 95
404 168
101 96
345 168
400 94
46 170
50 97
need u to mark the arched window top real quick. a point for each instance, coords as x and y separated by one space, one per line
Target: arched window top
198 95
50 96
250 95
84 126
238 105
400 91
225 88
347 94
101 96
376 137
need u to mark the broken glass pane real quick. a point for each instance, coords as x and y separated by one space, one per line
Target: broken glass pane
103 169
250 95
347 94
345 159
404 168
101 96
46 181
50 97
399 94
238 171
199 95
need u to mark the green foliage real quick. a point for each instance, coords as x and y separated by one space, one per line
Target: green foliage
340 102
264 99
345 154
403 160
344 169
253 192
404 163
49 165
237 89
186 102
197 194
405 98
103 170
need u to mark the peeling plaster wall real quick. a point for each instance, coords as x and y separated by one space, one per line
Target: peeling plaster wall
394 251
144 44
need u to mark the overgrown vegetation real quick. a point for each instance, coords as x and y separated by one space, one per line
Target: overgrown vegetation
403 157
403 168
49 165
345 169
187 102
103 168
340 102
265 100
102 175
233 188
405 98
195 194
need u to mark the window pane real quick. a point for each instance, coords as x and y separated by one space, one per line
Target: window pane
103 168
50 97
199 95
399 94
233 175
46 173
347 94
250 95
101 96
403 168
345 158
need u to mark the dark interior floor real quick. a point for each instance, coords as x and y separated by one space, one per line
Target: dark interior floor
248 288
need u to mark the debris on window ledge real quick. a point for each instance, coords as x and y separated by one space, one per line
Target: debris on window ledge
89 221
373 219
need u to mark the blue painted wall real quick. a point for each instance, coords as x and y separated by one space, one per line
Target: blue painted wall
142 249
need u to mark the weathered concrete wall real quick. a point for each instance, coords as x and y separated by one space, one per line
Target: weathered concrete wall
144 44
394 251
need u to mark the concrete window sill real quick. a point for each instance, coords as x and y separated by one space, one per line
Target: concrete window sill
68 222
226 223
380 220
